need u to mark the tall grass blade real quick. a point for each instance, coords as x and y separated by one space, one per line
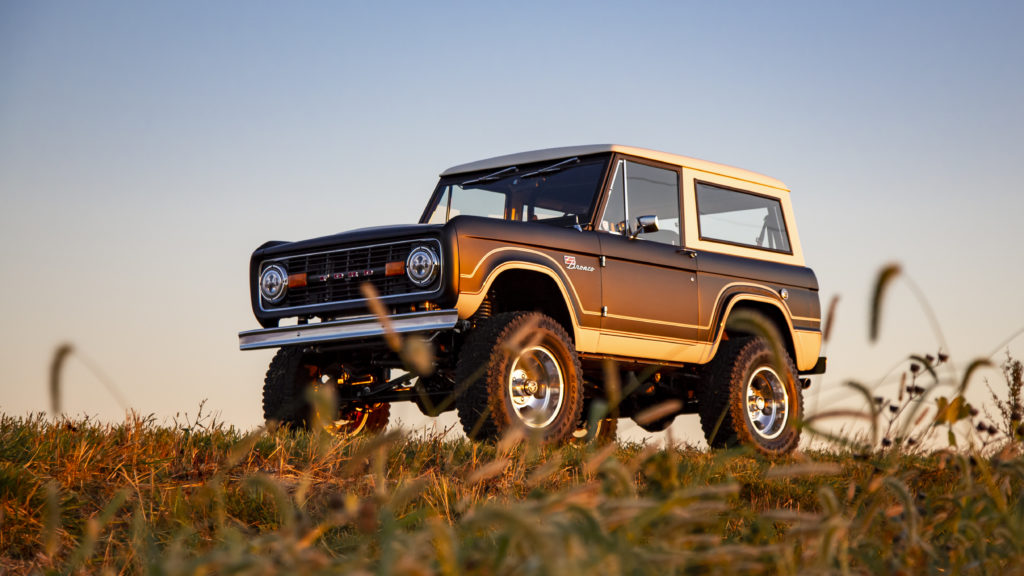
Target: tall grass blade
830 318
885 277
59 355
974 366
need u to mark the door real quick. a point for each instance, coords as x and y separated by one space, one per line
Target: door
648 282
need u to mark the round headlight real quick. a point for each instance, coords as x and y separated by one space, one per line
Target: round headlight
273 283
421 266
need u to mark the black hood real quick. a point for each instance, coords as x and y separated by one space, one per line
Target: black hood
342 239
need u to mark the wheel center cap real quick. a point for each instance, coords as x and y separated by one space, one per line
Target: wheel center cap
759 403
531 387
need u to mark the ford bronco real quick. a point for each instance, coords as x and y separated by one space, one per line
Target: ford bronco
554 291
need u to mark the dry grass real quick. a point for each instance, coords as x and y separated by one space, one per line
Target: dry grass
140 497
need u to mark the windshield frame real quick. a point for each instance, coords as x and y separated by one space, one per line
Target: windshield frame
532 170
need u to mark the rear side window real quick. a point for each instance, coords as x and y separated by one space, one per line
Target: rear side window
743 218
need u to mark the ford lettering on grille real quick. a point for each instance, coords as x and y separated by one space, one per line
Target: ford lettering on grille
336 276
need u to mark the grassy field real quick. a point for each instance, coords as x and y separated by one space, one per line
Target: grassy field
76 496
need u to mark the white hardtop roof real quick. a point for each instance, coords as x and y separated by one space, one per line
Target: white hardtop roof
568 151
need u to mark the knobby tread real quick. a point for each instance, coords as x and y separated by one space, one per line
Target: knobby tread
713 402
785 442
284 395
480 374
722 399
283 401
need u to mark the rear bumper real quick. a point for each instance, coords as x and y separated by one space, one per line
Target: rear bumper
357 328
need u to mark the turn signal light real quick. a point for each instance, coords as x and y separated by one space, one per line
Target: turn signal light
296 280
394 268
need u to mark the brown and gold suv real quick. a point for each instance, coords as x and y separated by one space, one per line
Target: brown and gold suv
554 291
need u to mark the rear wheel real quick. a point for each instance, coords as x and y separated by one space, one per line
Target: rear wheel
520 370
752 398
293 377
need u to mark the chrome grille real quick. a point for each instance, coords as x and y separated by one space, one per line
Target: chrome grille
336 276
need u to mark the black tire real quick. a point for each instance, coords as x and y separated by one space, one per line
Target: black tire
433 395
509 362
285 399
743 378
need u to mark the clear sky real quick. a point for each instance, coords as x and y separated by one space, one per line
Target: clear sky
147 148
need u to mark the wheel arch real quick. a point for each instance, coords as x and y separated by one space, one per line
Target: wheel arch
755 304
531 289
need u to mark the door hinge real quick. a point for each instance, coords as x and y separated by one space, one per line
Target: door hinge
604 311
603 262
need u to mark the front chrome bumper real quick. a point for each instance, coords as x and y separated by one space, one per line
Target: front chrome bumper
346 329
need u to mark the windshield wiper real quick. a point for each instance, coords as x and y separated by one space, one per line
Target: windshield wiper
490 177
553 168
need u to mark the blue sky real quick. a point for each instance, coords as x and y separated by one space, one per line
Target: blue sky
147 148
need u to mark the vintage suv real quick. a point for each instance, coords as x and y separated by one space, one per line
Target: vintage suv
554 291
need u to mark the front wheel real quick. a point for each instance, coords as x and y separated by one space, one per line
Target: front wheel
293 377
520 370
752 398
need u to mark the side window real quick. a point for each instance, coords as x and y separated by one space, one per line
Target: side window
642 190
743 218
653 191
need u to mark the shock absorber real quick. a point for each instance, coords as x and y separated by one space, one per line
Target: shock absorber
486 309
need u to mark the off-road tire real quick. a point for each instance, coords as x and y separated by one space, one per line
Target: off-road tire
285 402
484 370
723 402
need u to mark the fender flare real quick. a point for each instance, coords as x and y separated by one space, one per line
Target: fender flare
504 259
763 296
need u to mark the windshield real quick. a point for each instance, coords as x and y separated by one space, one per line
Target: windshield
559 192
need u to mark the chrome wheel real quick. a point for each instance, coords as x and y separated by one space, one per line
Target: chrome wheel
536 387
767 403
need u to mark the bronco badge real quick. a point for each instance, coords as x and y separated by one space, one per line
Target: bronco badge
570 264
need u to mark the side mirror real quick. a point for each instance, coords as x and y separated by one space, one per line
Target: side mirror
645 225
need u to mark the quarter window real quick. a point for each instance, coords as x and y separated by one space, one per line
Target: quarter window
734 217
